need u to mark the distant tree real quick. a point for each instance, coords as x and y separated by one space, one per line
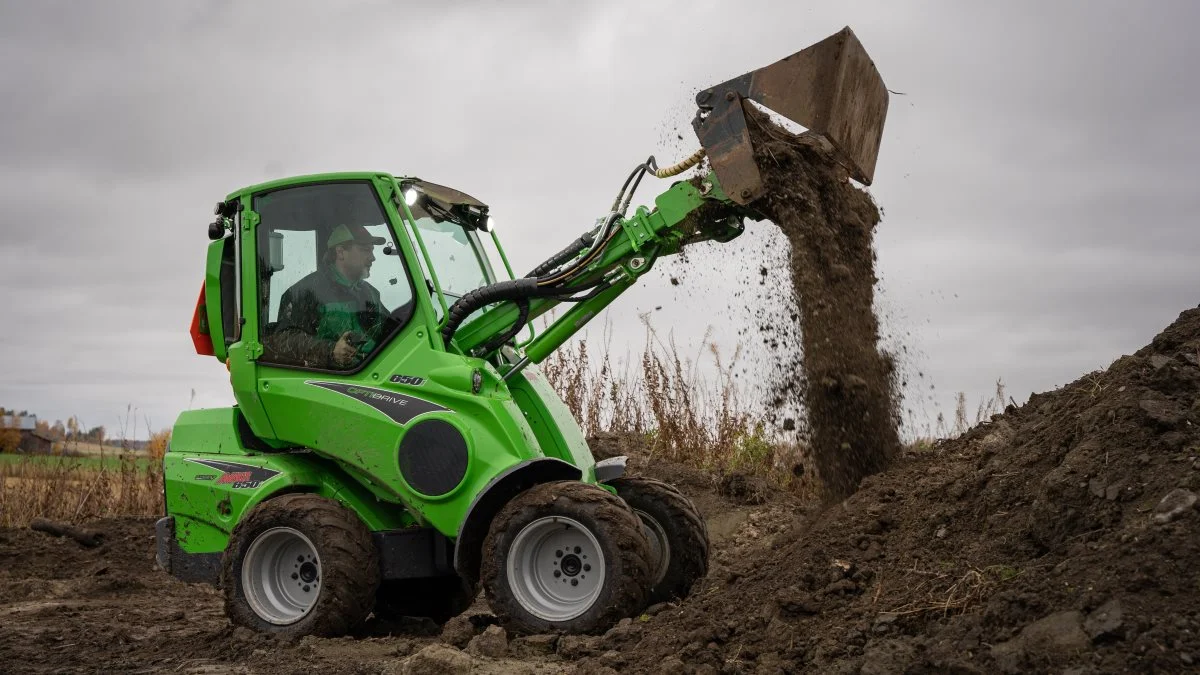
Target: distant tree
95 435
58 432
9 440
73 428
159 442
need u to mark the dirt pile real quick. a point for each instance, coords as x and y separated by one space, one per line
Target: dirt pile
1061 536
843 382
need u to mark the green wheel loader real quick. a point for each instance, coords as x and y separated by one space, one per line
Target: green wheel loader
394 447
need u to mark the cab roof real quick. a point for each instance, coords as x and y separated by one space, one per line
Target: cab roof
442 193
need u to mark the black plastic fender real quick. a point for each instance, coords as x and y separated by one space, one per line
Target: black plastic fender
506 485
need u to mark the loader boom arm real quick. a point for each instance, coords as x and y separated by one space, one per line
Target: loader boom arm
683 214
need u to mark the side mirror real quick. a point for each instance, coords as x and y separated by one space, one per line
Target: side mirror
216 229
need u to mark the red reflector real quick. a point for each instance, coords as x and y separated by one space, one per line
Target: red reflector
200 336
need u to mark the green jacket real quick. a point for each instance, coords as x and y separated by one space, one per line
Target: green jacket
316 311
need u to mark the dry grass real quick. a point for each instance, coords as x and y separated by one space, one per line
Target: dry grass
72 490
687 409
944 592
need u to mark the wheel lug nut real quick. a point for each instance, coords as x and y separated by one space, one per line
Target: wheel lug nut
306 589
578 550
299 558
295 576
587 568
557 574
558 554
574 582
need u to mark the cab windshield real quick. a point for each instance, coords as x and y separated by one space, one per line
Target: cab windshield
456 254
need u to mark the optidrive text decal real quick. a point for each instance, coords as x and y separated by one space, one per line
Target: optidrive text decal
399 407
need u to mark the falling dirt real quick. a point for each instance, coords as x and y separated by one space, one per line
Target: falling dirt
843 382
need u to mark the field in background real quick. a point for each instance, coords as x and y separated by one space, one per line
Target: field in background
71 489
82 482
87 448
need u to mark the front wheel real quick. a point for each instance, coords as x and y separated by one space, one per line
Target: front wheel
565 556
678 536
299 565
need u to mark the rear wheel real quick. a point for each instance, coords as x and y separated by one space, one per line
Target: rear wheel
439 599
678 536
299 565
565 556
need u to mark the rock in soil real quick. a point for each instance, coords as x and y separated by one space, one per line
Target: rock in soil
533 646
438 659
1176 503
492 642
459 631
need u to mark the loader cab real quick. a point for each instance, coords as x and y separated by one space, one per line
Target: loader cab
320 283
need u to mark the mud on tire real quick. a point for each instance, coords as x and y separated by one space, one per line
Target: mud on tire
565 556
291 543
677 532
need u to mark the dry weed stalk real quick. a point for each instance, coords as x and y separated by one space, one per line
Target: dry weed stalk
72 490
684 414
948 592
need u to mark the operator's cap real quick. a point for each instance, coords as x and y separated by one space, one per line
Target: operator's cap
356 233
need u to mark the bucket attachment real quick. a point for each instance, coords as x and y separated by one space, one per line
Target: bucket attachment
832 88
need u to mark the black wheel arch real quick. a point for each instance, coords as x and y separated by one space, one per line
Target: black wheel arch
468 548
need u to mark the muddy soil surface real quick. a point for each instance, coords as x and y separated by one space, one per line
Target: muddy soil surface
65 608
1062 536
835 372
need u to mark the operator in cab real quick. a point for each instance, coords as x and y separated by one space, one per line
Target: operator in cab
333 317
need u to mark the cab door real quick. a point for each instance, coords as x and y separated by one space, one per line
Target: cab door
309 288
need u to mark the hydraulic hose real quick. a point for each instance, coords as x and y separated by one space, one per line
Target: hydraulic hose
522 317
573 249
597 246
678 168
514 290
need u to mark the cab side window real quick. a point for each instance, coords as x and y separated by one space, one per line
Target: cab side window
333 288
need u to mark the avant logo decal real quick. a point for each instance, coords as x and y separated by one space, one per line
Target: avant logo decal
399 407
237 476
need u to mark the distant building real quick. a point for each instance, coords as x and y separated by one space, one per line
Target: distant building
21 422
32 440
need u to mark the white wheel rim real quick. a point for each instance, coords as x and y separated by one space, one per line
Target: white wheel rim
281 576
556 568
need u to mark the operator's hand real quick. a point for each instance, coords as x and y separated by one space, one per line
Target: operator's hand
343 351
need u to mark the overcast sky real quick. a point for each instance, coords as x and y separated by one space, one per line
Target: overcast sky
1037 175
